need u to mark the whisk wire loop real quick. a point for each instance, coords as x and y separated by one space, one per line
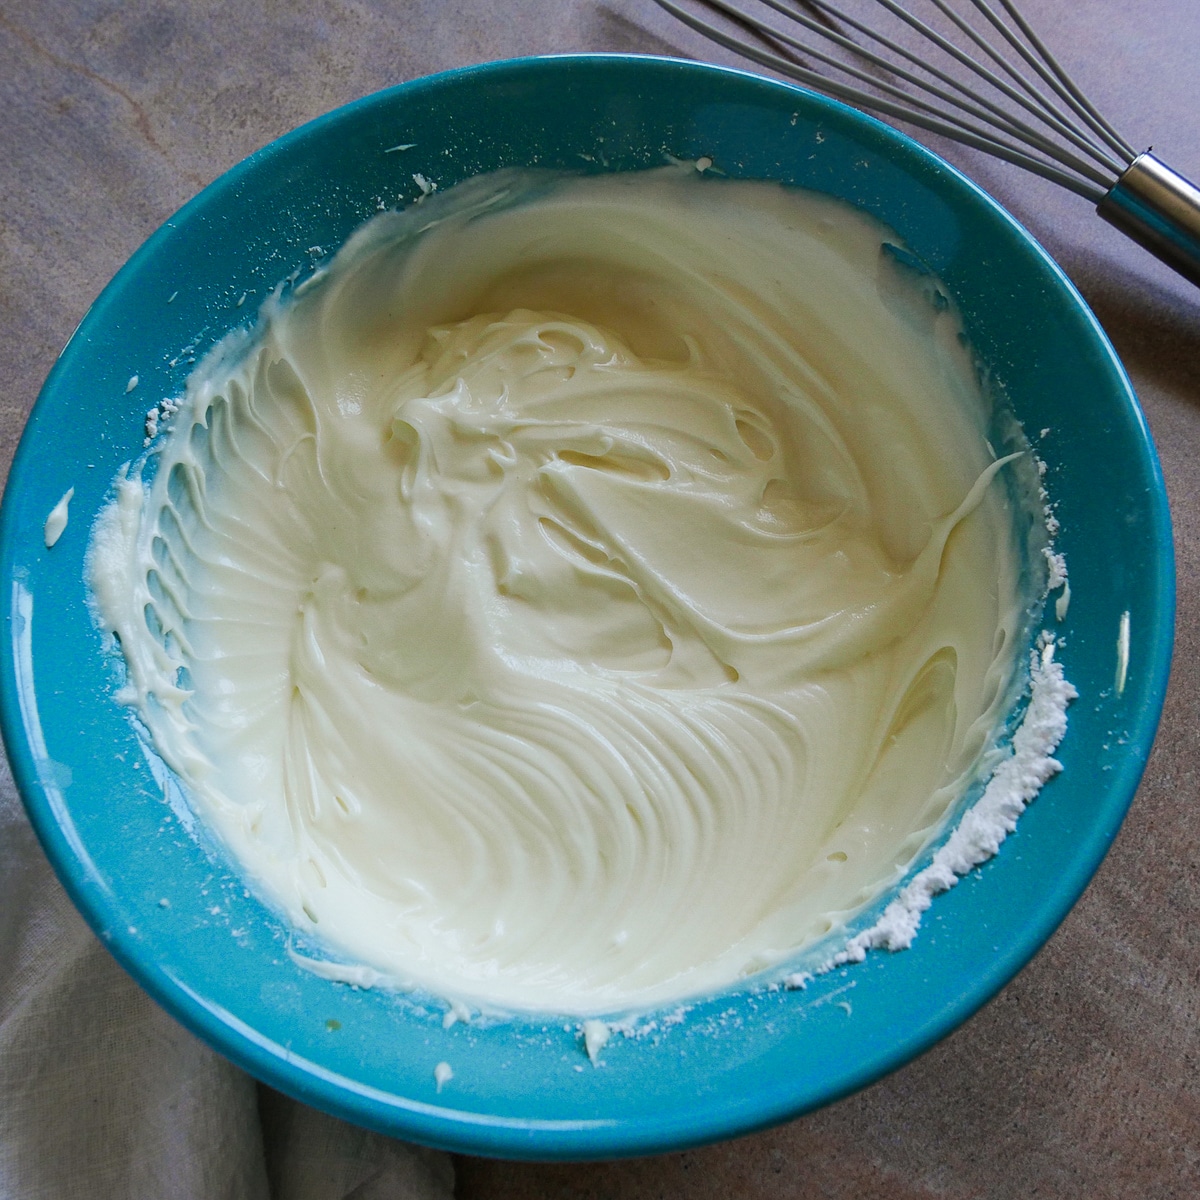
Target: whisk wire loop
993 113
1066 87
995 87
1060 166
1038 107
1035 102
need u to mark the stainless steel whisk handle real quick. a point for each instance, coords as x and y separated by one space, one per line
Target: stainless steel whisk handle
1160 209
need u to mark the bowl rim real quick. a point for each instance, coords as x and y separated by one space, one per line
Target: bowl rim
481 1133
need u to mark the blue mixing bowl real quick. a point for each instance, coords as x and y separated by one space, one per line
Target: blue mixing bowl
113 822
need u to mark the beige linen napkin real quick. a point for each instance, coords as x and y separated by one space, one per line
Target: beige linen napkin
105 1097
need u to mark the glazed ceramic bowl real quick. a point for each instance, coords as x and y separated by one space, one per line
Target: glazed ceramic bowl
168 905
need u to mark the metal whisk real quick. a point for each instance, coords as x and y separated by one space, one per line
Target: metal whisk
975 72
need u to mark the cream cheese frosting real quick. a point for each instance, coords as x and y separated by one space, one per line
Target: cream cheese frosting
583 593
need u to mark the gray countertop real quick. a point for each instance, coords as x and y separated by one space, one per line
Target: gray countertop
1083 1077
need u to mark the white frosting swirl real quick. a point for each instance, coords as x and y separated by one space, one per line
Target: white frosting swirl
583 593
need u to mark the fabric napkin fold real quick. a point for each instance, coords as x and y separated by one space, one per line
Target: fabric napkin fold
103 1096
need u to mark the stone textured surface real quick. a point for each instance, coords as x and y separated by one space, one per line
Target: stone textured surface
1083 1077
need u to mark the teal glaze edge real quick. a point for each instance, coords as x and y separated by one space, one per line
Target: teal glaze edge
516 1137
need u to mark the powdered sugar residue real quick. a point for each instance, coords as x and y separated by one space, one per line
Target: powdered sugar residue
154 417
984 827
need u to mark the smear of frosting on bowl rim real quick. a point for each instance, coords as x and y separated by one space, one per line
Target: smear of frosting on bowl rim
588 594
